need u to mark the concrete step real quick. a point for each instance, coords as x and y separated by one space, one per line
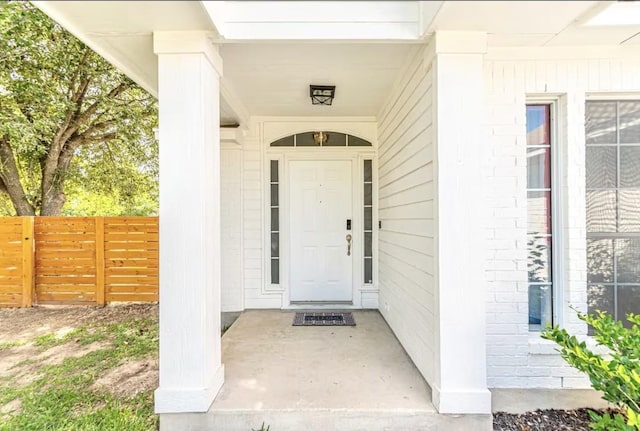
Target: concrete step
324 420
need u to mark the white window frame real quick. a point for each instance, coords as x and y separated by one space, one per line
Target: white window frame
286 154
558 204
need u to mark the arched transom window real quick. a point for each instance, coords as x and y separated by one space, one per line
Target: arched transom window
321 139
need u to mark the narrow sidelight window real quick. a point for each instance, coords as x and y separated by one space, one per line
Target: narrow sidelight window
539 228
275 222
368 222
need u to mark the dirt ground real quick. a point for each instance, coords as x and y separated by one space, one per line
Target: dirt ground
20 327
24 324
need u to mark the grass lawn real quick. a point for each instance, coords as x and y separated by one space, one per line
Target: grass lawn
78 368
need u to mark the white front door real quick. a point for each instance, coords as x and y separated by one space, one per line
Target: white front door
321 203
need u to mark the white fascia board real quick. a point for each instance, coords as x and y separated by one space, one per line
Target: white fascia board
320 11
428 12
315 20
228 93
319 31
50 8
217 14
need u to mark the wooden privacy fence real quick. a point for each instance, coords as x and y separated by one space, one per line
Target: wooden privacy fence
78 260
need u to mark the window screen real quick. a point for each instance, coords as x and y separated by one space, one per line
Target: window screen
612 130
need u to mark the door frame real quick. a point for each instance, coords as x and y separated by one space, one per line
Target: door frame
356 155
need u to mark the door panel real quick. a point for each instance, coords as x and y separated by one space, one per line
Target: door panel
320 203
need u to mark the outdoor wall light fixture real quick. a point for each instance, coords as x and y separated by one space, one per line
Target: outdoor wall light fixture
322 94
320 138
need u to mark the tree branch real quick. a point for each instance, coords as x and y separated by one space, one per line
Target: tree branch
97 127
64 161
71 116
84 117
11 180
76 74
24 112
105 137
73 120
80 93
73 111
113 159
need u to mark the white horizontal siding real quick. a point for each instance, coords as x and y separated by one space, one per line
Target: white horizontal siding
406 240
254 225
231 232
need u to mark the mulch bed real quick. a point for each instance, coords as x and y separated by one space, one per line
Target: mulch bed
543 420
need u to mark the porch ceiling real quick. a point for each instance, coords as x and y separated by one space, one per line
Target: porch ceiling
538 23
273 79
265 77
121 31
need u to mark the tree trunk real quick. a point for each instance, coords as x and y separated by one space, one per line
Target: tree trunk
52 203
10 181
51 184
51 191
54 176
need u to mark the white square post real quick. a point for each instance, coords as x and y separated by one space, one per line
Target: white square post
191 371
460 384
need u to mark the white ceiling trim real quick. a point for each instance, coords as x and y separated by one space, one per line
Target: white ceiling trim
428 12
564 52
616 14
235 104
317 20
318 31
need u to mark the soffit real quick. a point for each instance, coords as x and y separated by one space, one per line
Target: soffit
269 77
274 79
534 23
122 31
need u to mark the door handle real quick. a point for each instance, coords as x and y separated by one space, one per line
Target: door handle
348 238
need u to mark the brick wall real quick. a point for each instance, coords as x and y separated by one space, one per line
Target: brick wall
515 356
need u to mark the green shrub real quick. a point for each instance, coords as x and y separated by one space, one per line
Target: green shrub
616 374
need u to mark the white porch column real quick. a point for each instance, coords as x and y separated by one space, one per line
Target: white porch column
191 372
460 380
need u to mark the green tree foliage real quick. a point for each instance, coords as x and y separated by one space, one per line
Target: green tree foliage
616 374
72 127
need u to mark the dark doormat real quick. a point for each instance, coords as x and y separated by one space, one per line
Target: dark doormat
323 319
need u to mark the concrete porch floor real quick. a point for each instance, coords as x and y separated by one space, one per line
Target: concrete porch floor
319 378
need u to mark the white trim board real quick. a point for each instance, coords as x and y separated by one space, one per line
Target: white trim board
364 296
